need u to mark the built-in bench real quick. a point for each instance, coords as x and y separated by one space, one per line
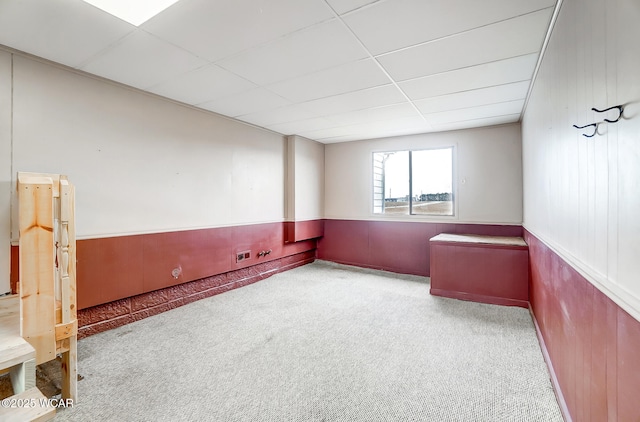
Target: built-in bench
487 269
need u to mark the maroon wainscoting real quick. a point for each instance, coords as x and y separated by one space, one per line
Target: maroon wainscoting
109 269
401 247
591 344
113 268
195 253
110 315
296 231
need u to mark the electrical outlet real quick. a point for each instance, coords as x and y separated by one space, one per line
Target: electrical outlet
242 256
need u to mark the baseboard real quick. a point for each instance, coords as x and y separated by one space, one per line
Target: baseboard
376 267
492 300
564 409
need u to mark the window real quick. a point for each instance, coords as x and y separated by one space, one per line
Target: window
413 182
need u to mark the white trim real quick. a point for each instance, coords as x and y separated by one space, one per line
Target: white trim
545 43
380 218
166 230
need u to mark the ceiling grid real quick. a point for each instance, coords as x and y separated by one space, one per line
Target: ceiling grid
328 70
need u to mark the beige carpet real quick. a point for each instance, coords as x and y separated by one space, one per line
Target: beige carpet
323 342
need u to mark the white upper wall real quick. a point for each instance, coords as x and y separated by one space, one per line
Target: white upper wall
5 170
487 175
305 190
582 195
141 163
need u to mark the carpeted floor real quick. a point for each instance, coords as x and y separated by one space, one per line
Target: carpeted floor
323 342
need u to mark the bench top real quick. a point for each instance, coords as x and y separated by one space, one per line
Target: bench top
478 239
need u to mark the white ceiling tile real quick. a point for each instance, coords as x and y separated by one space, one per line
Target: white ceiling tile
342 138
376 133
215 29
336 139
248 102
356 100
68 32
391 25
475 97
306 51
372 134
407 128
142 60
202 85
293 67
488 121
488 74
514 37
479 112
271 117
292 128
343 6
372 115
325 133
368 130
352 76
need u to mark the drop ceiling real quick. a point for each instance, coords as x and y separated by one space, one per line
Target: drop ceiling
328 70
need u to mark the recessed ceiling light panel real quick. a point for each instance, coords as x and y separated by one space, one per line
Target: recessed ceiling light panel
135 12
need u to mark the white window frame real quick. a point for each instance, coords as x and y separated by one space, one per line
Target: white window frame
410 216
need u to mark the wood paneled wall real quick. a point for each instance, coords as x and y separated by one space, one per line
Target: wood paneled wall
401 247
592 345
114 268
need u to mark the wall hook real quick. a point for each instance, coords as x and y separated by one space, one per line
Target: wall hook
595 129
620 109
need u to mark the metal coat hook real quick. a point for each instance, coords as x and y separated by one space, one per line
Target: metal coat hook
620 109
595 125
595 129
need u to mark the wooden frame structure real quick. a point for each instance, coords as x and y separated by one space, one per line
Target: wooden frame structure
47 282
